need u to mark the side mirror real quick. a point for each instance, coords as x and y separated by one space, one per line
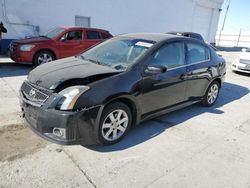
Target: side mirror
155 69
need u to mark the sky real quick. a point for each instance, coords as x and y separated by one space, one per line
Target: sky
238 15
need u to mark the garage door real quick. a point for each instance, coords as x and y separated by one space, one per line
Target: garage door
202 21
82 21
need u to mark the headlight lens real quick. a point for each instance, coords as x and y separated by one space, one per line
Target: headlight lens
71 94
26 47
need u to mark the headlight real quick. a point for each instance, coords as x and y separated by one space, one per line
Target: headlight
71 94
26 47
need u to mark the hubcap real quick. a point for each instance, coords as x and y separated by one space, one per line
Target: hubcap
44 58
115 125
212 93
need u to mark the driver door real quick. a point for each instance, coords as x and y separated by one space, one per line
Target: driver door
71 43
168 88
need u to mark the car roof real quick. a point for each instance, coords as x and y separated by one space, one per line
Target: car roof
183 32
78 27
157 37
193 35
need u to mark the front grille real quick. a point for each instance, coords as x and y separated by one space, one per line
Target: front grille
245 61
32 94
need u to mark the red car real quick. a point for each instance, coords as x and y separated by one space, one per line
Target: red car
57 43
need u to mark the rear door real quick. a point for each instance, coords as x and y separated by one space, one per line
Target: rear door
92 37
168 88
199 69
71 43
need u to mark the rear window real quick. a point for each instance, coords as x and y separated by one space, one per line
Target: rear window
93 35
197 53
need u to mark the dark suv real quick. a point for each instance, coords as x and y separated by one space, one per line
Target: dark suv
96 96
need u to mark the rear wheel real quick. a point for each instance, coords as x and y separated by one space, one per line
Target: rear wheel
211 94
43 56
115 122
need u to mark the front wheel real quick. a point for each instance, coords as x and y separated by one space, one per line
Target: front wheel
115 122
211 94
43 56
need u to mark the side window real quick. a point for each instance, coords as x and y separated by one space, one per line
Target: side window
170 55
197 53
93 35
105 35
72 35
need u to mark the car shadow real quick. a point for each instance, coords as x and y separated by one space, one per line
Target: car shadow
13 69
152 128
242 74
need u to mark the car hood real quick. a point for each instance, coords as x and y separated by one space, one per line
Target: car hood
32 40
244 55
51 75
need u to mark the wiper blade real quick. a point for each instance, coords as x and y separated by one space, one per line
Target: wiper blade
91 60
94 61
120 66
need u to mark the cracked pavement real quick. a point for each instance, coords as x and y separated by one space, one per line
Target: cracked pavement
192 147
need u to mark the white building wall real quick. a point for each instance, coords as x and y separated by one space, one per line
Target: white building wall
117 16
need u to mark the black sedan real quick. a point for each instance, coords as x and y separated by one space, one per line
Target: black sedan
97 96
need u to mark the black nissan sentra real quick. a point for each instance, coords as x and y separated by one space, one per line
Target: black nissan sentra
97 96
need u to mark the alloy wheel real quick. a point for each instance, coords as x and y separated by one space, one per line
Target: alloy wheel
212 94
115 125
44 58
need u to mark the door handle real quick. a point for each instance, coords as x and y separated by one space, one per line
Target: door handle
209 69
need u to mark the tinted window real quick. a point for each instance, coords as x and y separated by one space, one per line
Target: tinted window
197 53
105 35
73 35
93 35
170 55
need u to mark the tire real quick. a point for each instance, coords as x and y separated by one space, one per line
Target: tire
43 56
110 130
212 94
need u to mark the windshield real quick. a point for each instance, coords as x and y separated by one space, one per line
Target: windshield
118 53
53 32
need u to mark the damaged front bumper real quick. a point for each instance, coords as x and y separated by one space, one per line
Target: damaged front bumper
61 127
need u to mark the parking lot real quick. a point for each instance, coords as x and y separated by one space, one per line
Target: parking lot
192 147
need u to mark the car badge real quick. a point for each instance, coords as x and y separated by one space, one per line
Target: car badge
32 92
